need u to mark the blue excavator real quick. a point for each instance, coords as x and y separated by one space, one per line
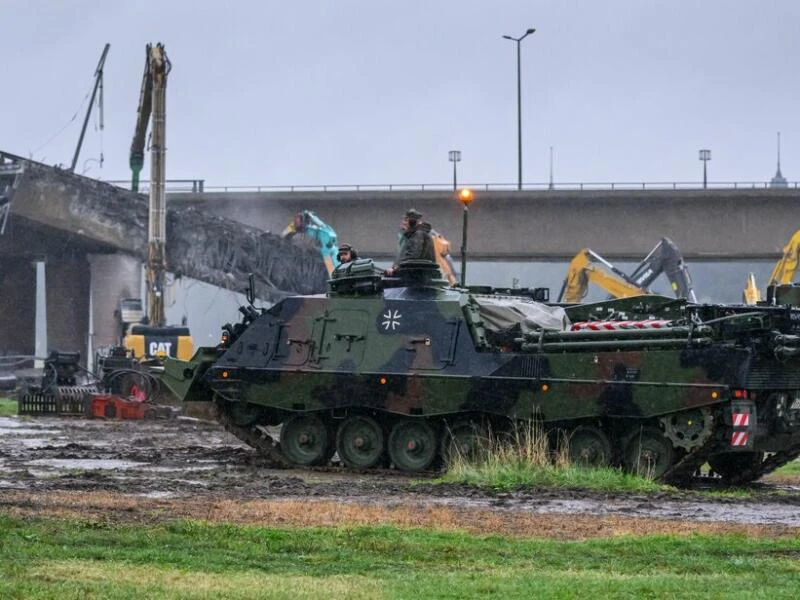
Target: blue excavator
307 223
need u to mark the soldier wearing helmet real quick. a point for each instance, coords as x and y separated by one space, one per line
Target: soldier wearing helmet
415 242
346 254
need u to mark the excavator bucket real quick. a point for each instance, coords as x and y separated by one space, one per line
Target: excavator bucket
751 294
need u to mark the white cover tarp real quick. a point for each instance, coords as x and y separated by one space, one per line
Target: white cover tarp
499 313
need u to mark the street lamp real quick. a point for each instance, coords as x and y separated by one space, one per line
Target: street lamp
705 156
465 197
519 105
454 156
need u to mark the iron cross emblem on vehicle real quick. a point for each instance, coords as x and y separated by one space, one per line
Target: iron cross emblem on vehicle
391 319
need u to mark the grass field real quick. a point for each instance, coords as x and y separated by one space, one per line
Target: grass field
7 407
73 559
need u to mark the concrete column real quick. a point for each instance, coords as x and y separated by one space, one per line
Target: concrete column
113 277
67 298
41 314
17 306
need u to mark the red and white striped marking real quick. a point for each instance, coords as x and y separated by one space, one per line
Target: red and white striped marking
741 419
739 438
615 325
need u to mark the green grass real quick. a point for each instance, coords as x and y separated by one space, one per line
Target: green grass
525 458
67 559
509 476
791 469
8 407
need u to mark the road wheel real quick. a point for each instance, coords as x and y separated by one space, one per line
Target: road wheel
589 447
648 453
305 441
244 414
412 445
465 440
359 442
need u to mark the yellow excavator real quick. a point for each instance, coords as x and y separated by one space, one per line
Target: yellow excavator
589 267
782 274
441 247
152 339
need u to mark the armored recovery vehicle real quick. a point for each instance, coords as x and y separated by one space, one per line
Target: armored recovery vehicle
405 370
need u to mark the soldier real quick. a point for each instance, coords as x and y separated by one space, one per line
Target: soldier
346 254
415 242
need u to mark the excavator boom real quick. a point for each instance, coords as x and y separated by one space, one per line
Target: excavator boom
441 248
665 257
145 108
783 273
309 224
155 339
589 267
158 68
786 267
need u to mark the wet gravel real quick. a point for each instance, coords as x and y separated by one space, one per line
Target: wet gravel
185 458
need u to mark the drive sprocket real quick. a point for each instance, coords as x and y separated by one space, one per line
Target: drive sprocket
688 429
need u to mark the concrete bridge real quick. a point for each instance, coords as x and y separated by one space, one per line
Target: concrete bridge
712 224
69 224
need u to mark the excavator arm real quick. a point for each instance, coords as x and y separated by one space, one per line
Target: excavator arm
441 248
157 69
309 224
782 274
589 267
665 257
143 112
786 267
155 339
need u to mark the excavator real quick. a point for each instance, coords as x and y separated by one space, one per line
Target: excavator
309 224
589 267
665 257
782 274
441 247
152 339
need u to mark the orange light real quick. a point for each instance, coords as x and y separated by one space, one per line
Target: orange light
740 394
545 387
383 380
465 195
225 374
715 395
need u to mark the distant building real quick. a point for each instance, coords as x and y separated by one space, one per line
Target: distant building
779 181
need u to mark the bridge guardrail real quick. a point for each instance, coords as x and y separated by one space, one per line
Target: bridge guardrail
199 186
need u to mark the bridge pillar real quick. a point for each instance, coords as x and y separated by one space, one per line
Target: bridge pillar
67 301
17 306
113 277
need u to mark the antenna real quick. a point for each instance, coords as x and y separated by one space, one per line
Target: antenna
551 168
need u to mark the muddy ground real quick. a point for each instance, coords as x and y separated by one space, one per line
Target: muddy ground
150 471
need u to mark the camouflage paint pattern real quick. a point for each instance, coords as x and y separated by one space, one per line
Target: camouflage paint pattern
420 350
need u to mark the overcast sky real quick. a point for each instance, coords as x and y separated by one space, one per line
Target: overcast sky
313 92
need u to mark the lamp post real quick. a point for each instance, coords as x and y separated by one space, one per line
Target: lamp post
454 156
465 197
519 104
705 156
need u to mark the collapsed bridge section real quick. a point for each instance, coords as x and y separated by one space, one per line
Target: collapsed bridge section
71 224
